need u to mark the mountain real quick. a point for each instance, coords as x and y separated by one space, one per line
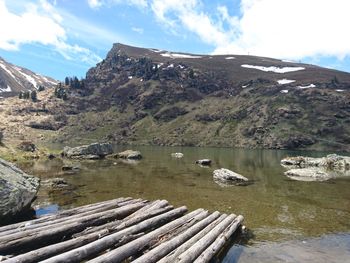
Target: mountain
14 79
148 96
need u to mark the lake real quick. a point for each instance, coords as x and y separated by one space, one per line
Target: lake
289 218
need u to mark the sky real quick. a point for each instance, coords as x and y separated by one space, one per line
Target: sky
60 38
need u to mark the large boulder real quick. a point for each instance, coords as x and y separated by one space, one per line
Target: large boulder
204 162
17 190
91 151
227 176
129 154
331 161
316 169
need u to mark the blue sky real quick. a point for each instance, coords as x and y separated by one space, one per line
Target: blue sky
62 38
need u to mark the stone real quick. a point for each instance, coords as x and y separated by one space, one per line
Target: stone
204 162
55 183
129 154
51 156
177 155
70 168
224 175
27 146
91 151
17 190
308 174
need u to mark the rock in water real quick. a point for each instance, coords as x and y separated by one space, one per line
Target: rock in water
129 154
91 151
177 155
227 176
17 190
204 162
308 174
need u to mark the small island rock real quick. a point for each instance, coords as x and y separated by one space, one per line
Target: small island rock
177 155
227 176
204 162
129 154
91 151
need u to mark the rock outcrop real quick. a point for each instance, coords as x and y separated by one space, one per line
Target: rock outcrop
91 151
316 169
17 190
129 154
227 176
177 155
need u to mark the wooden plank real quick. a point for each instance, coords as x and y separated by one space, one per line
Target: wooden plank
98 246
171 257
34 239
129 249
164 248
220 241
193 252
58 248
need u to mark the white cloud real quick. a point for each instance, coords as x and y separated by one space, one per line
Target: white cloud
98 3
40 24
291 29
137 30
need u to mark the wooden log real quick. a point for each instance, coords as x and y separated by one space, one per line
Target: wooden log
121 253
98 246
193 252
218 244
50 221
60 214
35 239
171 257
164 248
55 249
148 211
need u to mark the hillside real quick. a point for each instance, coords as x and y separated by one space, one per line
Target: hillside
14 79
148 96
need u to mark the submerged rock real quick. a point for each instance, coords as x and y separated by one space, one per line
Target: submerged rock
91 151
204 162
17 190
227 176
316 169
129 154
177 155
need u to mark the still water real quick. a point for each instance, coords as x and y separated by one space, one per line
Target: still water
280 213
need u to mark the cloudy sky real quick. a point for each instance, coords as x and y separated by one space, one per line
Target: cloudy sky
62 38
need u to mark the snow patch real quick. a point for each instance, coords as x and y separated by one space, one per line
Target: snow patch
285 81
3 66
130 77
29 78
284 91
244 86
156 50
175 55
8 89
170 66
230 58
307 87
273 69
339 90
159 65
181 67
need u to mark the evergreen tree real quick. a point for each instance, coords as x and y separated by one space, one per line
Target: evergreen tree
20 95
34 96
66 81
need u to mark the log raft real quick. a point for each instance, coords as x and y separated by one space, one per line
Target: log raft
120 230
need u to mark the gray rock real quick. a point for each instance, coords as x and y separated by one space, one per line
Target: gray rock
227 176
17 190
55 183
92 151
204 162
310 174
331 161
129 154
177 155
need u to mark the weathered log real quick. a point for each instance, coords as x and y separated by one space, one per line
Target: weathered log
129 249
22 225
98 246
193 252
164 248
215 247
35 238
148 211
171 257
52 250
